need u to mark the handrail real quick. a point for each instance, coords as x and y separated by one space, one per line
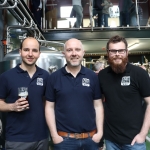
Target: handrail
90 13
31 19
53 42
143 2
20 13
43 18
28 20
24 22
10 7
137 15
16 27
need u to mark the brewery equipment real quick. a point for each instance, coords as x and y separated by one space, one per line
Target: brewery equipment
49 60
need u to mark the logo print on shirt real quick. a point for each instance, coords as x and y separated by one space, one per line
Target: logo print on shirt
125 81
85 82
39 81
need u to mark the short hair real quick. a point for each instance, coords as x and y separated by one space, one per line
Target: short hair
116 39
29 38
73 39
98 65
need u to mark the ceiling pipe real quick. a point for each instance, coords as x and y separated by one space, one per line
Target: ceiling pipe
9 7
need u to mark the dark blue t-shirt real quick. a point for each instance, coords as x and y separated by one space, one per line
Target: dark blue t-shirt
29 125
74 97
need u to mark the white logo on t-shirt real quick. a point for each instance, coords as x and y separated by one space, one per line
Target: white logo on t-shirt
39 81
85 82
125 81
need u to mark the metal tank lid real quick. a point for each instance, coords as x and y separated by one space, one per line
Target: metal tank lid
45 51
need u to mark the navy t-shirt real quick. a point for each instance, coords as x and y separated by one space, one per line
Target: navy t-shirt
28 125
73 98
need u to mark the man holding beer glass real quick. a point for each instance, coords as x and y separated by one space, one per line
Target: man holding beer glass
21 95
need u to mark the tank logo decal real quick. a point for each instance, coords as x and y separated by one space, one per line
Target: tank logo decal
125 81
85 82
39 81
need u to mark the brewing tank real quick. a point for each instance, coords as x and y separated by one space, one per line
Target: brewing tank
49 60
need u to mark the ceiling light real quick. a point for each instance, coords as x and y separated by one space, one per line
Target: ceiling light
133 46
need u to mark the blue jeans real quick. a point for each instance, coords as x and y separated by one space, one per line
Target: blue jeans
76 144
114 146
105 16
79 15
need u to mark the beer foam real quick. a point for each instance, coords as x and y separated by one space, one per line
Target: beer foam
23 94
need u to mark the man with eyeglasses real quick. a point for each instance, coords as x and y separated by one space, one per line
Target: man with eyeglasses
124 86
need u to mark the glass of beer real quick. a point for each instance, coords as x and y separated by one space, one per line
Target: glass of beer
23 92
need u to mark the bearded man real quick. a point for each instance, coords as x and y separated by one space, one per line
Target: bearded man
124 86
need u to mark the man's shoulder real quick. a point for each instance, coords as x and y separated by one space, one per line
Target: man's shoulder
136 72
89 71
43 71
57 73
105 70
9 72
134 68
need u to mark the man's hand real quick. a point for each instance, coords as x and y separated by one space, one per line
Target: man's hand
20 105
138 139
38 9
96 138
57 139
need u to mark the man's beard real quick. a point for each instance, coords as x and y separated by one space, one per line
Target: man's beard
118 68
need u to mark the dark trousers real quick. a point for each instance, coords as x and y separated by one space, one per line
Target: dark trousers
37 15
124 18
98 21
39 145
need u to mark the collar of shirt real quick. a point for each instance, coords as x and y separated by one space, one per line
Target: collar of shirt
82 71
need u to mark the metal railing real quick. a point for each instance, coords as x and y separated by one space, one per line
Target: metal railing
17 8
90 2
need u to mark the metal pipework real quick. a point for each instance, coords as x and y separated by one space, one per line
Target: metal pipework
137 15
91 12
9 7
31 18
5 1
52 42
27 20
15 27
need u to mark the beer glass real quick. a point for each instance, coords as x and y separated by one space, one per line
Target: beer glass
23 92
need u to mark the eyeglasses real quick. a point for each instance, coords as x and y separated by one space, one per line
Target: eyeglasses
114 51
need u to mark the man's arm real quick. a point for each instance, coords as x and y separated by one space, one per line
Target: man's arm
99 120
20 105
50 119
140 138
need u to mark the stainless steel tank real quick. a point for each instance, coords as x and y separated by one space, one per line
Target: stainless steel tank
49 60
